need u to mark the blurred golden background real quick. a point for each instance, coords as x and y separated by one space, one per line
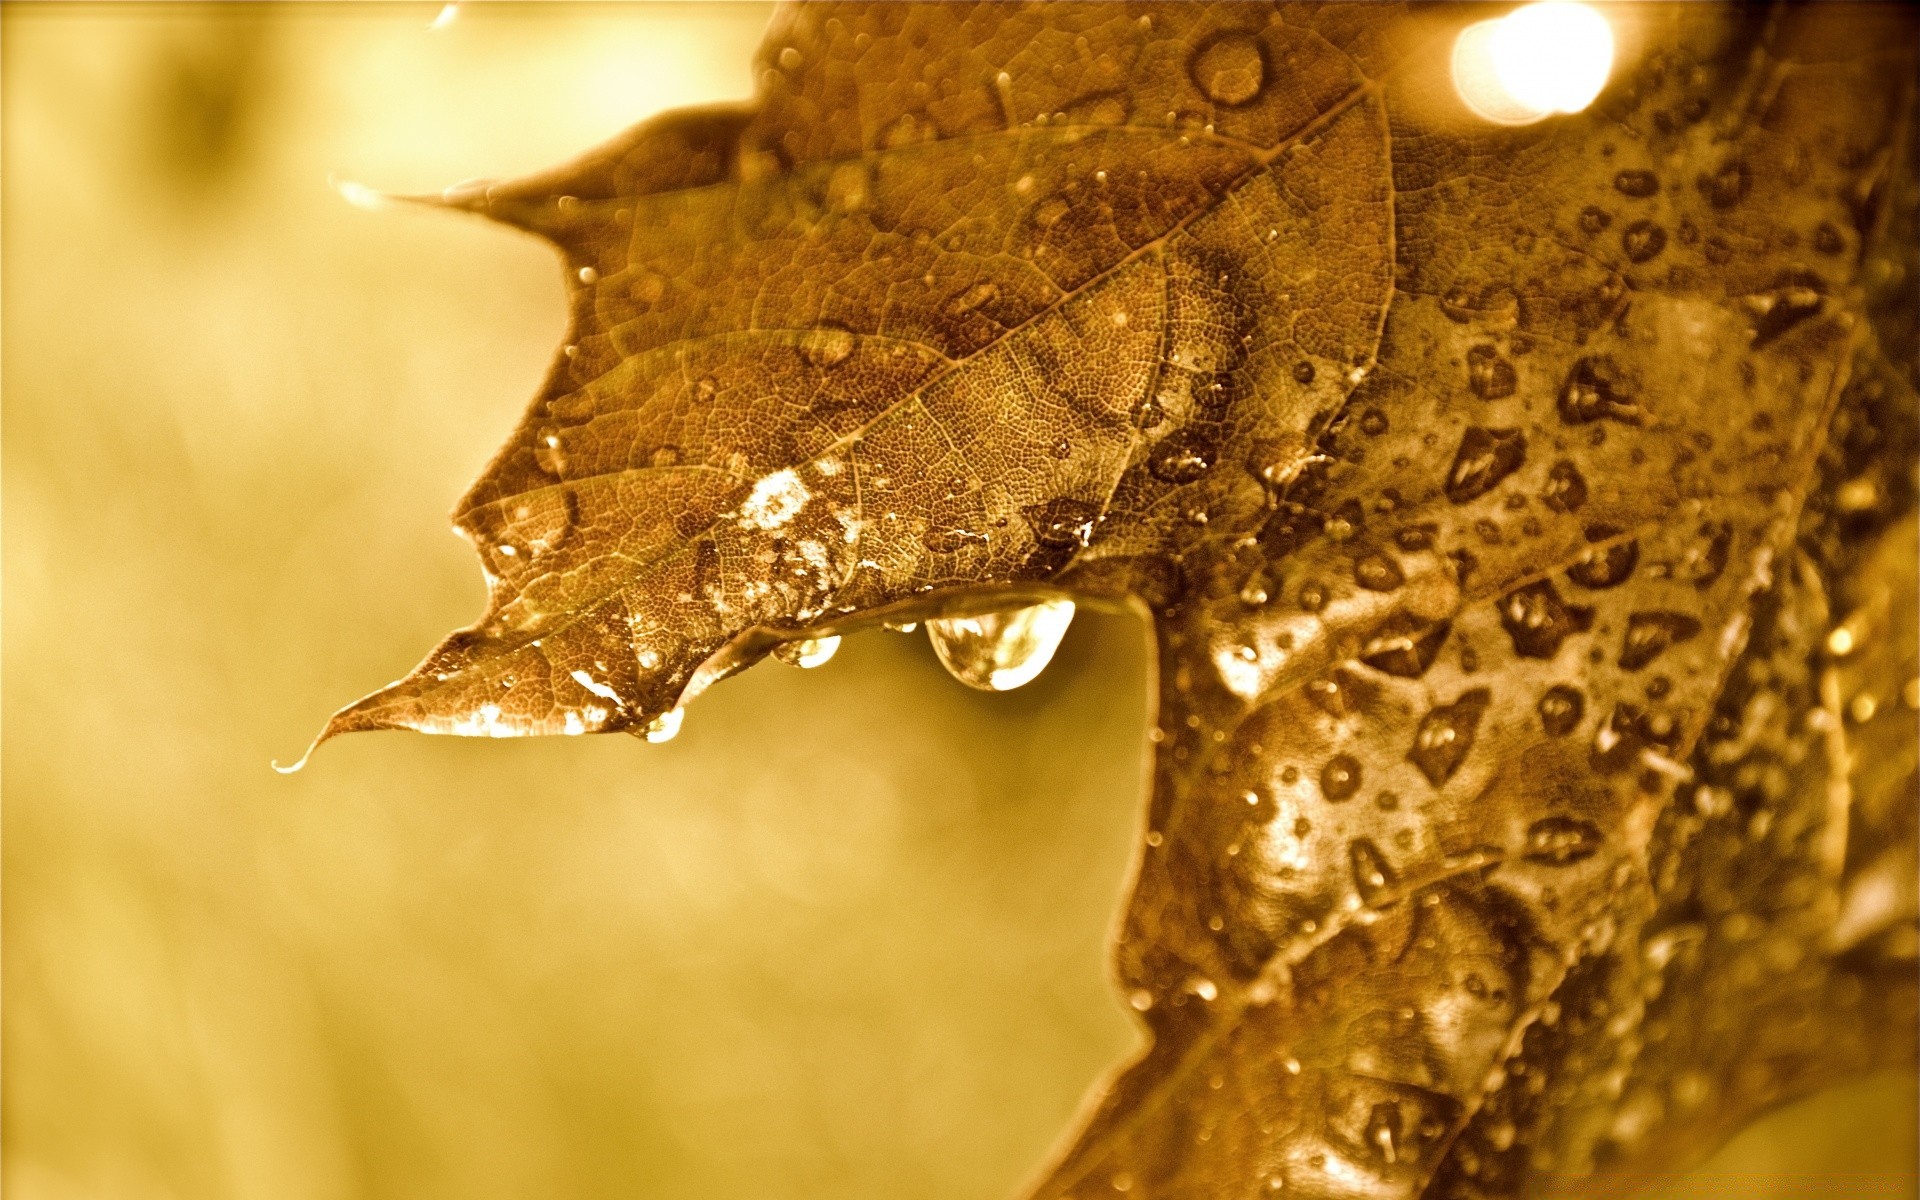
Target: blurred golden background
843 938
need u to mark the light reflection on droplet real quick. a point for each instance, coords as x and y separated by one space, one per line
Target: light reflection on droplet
1544 58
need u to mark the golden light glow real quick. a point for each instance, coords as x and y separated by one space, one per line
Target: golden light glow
1538 60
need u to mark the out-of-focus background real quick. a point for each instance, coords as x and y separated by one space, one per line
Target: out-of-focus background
843 938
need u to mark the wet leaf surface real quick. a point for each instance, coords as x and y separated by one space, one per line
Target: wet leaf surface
1499 498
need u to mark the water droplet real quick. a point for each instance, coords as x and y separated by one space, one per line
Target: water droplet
1566 488
1637 184
1489 376
1303 372
1561 708
1179 458
1494 304
1404 645
998 652
1597 389
665 727
1594 220
807 653
1794 296
1485 457
1384 1131
1230 69
1061 449
1728 186
1649 634
1446 734
1608 567
1049 211
1377 572
1643 241
973 297
1373 422
1538 622
951 539
1562 841
1340 777
1372 877
549 453
589 276
827 344
1063 523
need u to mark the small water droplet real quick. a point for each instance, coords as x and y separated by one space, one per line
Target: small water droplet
1404 645
827 344
1594 220
1049 211
1728 186
1446 734
1598 389
1372 877
1377 572
1340 777
1608 567
998 652
807 653
1373 422
1538 621
1636 183
1230 70
1063 523
1303 372
1561 708
980 293
1643 241
1490 376
1485 457
1566 488
1384 1130
1179 458
951 539
589 276
549 452
1794 296
1061 449
1649 634
1562 841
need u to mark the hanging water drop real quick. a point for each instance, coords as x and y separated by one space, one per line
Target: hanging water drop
807 653
997 652
664 727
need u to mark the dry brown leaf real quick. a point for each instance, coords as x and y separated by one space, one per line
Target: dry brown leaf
1493 494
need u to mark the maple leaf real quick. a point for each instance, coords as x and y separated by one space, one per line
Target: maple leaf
1525 517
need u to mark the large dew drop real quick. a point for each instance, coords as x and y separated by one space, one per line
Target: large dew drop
998 652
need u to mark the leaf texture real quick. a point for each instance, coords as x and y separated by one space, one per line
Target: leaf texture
1494 495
